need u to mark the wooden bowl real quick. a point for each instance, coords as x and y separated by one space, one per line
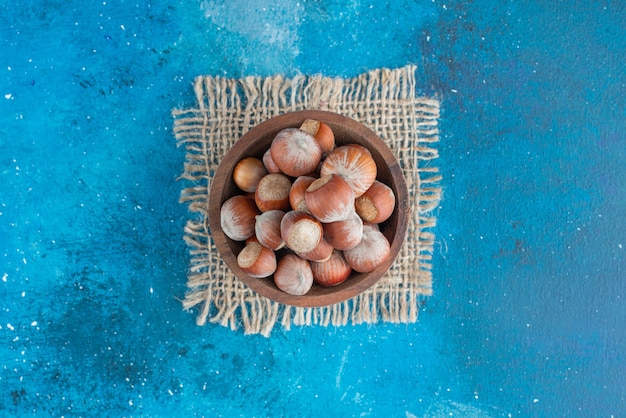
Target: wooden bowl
347 131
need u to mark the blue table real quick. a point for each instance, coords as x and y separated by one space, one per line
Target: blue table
527 317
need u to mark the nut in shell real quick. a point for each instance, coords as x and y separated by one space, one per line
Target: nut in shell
269 163
373 251
301 232
237 217
248 173
376 204
293 275
344 234
321 252
297 200
257 261
322 133
295 152
330 198
273 192
354 164
331 272
267 229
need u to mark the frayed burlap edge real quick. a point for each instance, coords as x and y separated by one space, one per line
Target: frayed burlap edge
384 100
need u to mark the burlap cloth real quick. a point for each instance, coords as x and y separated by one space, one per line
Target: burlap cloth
384 100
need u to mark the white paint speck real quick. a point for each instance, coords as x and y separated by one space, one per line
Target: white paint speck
151 290
344 359
33 324
8 96
4 277
535 400
9 326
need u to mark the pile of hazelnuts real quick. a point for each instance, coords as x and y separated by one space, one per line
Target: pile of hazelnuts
310 210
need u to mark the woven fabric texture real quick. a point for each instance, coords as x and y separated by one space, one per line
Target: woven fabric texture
384 100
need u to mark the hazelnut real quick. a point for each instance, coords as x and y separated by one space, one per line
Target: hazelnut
293 275
321 252
301 232
237 217
296 194
256 260
247 174
331 272
376 204
295 152
354 163
373 251
344 234
273 192
322 133
269 164
330 198
267 229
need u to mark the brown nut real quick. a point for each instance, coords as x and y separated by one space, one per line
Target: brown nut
376 204
330 198
269 164
322 133
256 260
267 229
321 252
354 163
273 192
301 232
248 173
331 272
345 234
295 152
296 194
293 275
373 251
237 217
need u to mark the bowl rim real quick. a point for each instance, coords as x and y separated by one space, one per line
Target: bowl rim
242 147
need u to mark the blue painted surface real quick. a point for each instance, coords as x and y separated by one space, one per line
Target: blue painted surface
529 304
